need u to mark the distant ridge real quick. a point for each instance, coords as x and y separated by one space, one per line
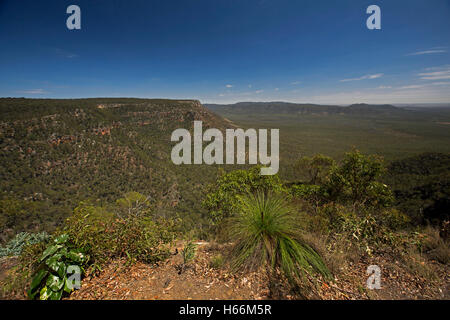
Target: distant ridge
294 108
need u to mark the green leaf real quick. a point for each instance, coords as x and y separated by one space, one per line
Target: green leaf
49 251
63 251
55 283
38 279
32 294
53 263
44 294
62 269
55 295
67 287
62 239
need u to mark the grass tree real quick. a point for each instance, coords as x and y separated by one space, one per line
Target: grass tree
266 234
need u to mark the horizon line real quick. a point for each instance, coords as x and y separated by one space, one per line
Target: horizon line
231 103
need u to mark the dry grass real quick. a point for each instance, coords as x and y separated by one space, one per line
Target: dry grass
435 247
418 264
336 254
217 261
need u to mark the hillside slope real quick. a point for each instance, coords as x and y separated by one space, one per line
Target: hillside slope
56 153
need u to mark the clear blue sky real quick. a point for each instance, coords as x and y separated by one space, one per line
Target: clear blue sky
228 50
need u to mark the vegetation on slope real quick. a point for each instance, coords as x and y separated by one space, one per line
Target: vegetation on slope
297 242
56 153
98 172
422 186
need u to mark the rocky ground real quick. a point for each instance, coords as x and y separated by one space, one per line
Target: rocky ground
199 280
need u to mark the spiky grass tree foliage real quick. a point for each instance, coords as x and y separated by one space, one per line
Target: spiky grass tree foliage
266 234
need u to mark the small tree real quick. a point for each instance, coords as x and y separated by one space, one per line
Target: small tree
314 170
356 181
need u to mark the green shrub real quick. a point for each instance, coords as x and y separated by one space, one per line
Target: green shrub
224 197
15 246
356 182
91 227
370 230
314 170
394 219
366 228
309 192
327 217
138 237
143 238
188 252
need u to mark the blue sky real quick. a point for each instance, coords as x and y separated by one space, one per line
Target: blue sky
224 51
